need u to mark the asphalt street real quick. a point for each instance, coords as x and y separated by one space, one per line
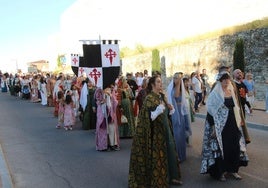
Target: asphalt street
36 155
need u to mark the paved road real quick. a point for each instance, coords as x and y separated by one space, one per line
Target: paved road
37 155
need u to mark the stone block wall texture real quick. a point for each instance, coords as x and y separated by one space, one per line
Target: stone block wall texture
210 54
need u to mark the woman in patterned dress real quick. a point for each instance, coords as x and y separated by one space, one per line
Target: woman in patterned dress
57 87
107 137
34 89
154 160
224 148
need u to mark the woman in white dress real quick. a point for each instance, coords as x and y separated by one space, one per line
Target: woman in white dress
43 91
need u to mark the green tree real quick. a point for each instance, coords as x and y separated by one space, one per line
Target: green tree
156 64
238 56
59 65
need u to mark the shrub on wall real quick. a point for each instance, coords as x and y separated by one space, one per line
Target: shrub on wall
238 56
156 64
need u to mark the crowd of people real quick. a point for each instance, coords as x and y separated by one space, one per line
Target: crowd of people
157 119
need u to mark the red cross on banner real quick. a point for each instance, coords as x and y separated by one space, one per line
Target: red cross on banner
74 60
110 54
95 74
81 70
100 62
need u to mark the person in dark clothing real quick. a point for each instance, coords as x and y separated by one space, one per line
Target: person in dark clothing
242 89
224 147
132 84
204 78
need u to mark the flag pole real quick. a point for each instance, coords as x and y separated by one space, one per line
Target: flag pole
99 38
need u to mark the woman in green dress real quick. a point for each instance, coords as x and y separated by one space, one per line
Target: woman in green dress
126 129
154 160
88 104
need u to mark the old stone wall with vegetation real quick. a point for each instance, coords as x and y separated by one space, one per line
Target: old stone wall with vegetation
210 53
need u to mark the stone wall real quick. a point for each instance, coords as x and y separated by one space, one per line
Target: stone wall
210 54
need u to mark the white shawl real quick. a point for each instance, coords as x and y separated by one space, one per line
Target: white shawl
170 96
83 96
216 100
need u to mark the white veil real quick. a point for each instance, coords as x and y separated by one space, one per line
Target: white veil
216 100
169 91
83 96
170 96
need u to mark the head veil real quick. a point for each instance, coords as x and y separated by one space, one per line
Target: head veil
171 98
216 99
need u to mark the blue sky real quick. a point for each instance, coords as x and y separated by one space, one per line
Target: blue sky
28 22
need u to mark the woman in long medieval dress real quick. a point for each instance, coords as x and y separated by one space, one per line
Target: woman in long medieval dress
154 161
224 148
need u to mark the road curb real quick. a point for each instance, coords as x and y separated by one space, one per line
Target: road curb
249 124
6 181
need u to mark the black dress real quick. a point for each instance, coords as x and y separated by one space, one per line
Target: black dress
230 138
231 147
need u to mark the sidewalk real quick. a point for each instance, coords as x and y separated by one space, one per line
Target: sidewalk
258 119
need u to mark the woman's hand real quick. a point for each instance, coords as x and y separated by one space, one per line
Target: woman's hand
171 109
103 101
170 106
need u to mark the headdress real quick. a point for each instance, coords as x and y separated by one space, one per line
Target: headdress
221 74
170 96
216 100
